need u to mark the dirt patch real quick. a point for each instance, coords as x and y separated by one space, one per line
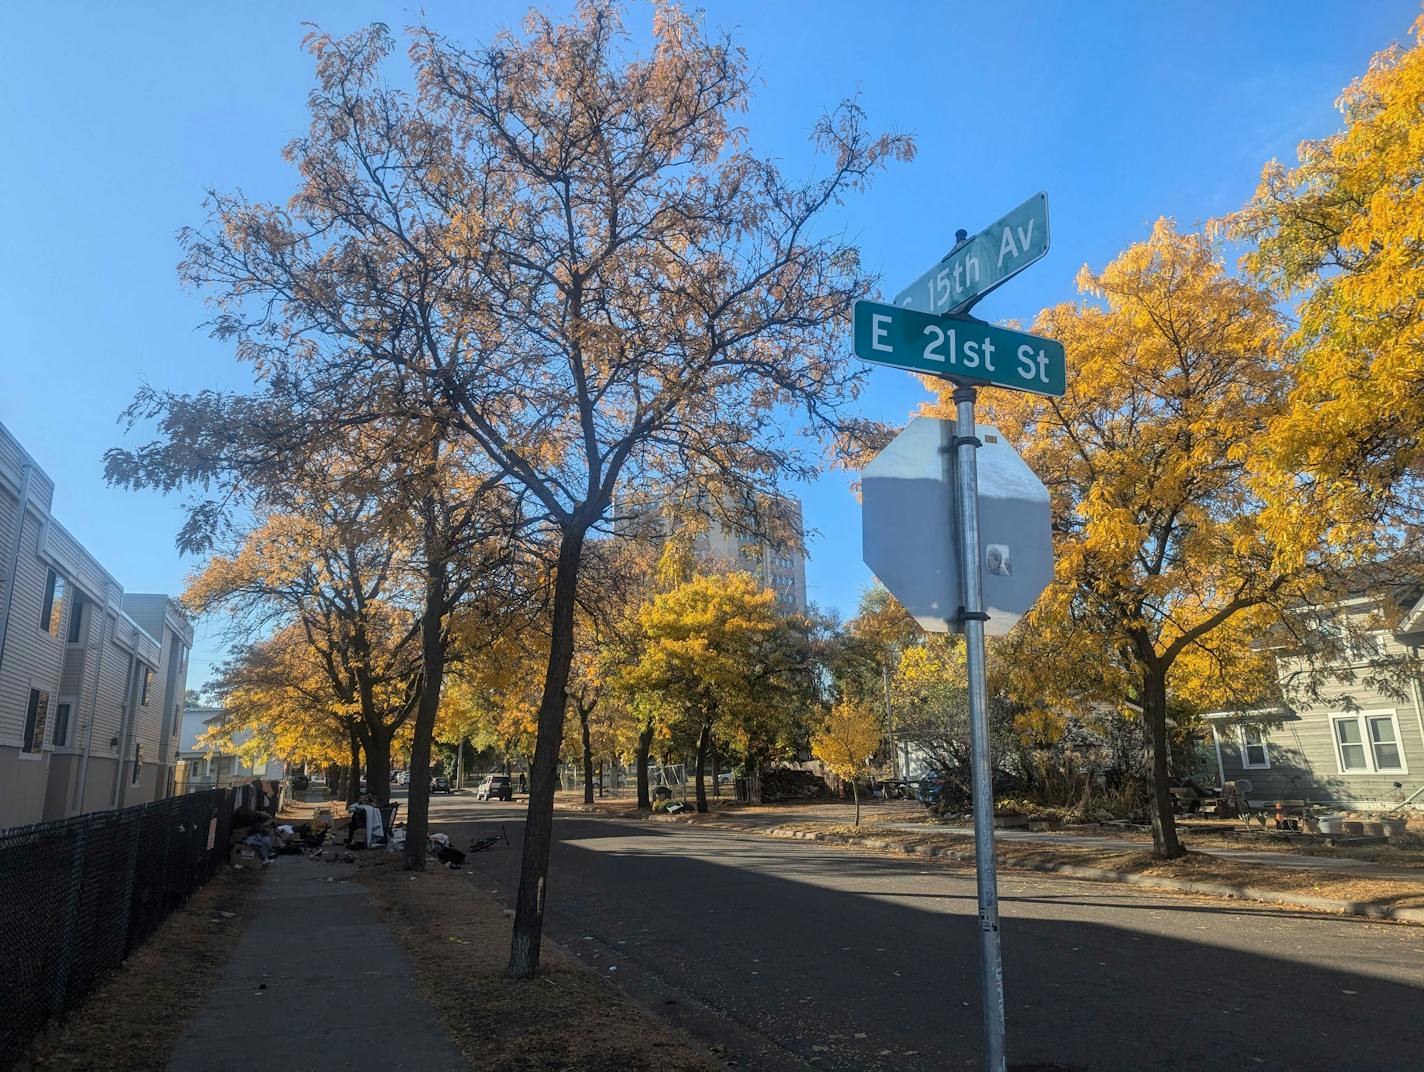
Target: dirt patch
566 1018
132 1020
1195 866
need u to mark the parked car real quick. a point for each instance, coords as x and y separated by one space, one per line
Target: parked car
441 784
496 787
401 777
930 788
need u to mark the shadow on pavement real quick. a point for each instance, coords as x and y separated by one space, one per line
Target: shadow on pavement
859 962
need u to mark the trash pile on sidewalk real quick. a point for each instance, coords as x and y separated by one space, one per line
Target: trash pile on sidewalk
258 837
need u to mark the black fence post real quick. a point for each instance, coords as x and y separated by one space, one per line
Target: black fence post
64 959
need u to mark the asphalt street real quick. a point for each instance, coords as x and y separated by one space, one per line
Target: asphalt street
791 955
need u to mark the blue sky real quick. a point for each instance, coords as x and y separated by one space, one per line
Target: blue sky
118 117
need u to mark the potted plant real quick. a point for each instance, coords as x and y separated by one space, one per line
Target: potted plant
1333 825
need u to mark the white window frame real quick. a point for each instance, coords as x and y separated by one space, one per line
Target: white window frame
1246 763
1361 719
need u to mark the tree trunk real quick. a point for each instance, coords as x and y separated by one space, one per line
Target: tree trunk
890 723
583 713
432 658
543 772
645 745
353 776
1165 845
703 739
855 792
378 765
716 775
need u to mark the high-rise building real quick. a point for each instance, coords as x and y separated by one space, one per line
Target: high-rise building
772 549
778 562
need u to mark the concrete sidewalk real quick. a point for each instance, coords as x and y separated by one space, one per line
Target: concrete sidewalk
316 983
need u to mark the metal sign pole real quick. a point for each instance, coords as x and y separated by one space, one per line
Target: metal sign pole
972 616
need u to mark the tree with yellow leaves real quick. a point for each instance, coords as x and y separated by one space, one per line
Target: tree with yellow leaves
328 581
572 246
1342 230
1164 571
278 703
706 651
883 630
846 742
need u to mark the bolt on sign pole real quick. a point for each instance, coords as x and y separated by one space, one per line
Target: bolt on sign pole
972 618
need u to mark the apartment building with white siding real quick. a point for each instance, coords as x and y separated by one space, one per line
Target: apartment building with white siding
92 679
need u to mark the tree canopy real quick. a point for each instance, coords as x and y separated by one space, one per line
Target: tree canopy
1340 230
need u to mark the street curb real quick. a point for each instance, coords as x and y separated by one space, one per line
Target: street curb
1215 889
1364 909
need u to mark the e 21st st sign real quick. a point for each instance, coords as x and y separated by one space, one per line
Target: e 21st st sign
969 351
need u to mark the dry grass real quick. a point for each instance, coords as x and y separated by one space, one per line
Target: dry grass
566 1019
1194 866
132 1020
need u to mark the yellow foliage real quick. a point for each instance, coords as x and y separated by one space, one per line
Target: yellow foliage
848 739
1173 375
279 703
698 637
1345 228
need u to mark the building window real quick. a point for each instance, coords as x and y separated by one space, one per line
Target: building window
137 764
143 689
61 725
76 619
53 610
1368 743
1253 748
36 715
1384 742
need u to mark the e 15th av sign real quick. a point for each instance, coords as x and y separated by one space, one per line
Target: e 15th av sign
979 264
970 351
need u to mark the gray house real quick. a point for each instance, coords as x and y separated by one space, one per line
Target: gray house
91 677
1358 745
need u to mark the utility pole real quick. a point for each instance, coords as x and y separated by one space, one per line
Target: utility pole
890 722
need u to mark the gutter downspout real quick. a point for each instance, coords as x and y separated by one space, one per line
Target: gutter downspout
79 789
126 731
14 564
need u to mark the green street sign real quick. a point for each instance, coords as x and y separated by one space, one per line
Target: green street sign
979 264
957 348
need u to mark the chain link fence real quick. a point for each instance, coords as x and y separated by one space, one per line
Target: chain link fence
77 896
